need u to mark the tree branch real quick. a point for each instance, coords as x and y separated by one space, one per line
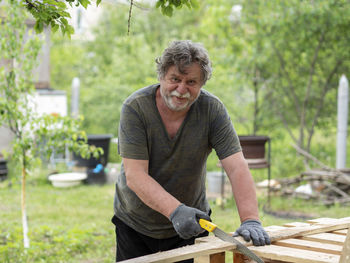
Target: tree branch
310 157
129 18
308 89
326 88
284 121
291 87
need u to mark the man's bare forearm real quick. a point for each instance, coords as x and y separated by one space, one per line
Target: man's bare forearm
148 189
243 186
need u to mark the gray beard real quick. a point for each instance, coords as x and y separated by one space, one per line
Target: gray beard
168 102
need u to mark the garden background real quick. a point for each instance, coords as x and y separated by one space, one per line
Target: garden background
276 67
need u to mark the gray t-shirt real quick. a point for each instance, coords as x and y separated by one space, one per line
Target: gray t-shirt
178 164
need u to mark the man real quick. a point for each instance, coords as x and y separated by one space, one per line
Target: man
166 133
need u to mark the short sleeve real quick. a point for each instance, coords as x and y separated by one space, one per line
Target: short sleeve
223 136
132 138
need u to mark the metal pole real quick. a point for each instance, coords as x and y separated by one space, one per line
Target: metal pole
343 104
222 186
75 97
269 173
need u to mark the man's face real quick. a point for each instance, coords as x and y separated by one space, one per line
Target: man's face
180 90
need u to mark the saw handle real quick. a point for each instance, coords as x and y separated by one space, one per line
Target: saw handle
207 225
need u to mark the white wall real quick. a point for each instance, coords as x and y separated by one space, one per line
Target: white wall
50 102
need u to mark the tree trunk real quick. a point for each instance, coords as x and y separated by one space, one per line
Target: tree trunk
256 102
24 213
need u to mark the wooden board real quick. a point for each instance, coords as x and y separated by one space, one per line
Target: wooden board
328 238
214 258
274 228
296 224
322 220
210 247
287 254
326 220
345 255
315 247
307 230
340 232
310 245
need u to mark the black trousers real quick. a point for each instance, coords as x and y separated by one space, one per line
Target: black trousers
131 244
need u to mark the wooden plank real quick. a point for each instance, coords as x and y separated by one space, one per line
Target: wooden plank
274 228
327 238
322 220
345 255
308 230
202 259
212 245
327 220
214 258
197 250
296 224
217 258
310 245
295 255
238 258
340 232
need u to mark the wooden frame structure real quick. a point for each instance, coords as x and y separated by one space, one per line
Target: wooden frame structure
323 240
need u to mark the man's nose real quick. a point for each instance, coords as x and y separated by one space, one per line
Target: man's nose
181 88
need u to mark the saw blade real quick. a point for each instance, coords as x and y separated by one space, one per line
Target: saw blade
239 246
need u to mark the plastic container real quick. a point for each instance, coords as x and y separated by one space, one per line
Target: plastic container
96 176
3 169
99 140
253 147
67 179
214 180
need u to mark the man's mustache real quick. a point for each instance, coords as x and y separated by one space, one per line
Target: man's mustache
182 96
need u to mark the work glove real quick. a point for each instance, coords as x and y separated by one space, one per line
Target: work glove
252 230
185 221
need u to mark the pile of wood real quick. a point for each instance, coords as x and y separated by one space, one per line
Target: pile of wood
326 184
329 187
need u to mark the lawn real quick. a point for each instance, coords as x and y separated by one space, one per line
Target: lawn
66 224
73 224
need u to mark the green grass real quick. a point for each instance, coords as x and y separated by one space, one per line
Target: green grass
73 224
66 224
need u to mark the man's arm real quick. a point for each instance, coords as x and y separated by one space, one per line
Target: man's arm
243 187
183 218
147 189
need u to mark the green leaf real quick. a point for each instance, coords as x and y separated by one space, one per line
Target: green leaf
61 4
39 26
194 4
188 5
54 28
177 3
70 29
64 21
84 3
50 2
98 2
159 3
168 10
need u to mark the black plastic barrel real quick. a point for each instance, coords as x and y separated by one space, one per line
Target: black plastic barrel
3 169
99 140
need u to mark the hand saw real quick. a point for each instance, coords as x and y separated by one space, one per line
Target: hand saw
211 227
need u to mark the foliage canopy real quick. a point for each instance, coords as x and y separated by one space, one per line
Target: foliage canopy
55 13
276 64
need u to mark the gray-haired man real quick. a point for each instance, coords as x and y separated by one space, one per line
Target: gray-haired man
166 133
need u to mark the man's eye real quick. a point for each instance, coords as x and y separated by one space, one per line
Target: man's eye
174 79
191 82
